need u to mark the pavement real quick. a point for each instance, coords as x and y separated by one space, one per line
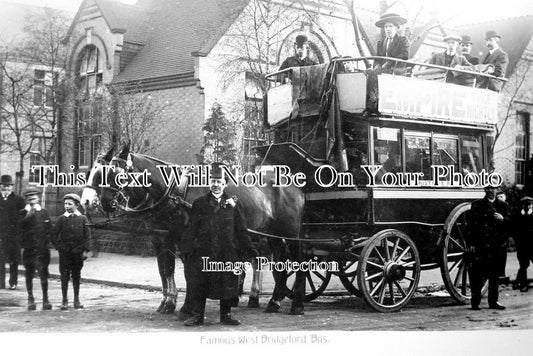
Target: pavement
141 272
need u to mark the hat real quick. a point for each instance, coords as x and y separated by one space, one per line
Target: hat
216 170
491 34
301 40
466 39
72 196
6 179
526 199
390 17
452 37
31 191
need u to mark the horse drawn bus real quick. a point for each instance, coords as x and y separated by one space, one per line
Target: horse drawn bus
393 161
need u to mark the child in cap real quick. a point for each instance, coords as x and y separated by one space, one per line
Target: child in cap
35 237
72 239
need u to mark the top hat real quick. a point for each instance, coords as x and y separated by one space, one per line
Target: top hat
392 18
216 170
6 179
466 39
31 191
72 196
452 37
300 40
491 34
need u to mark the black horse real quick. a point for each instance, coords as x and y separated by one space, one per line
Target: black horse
270 210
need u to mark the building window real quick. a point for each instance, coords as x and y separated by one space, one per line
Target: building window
90 72
38 154
253 134
89 137
42 88
521 147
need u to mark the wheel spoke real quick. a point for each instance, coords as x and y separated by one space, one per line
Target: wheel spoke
457 263
409 278
400 289
382 293
395 248
319 275
375 265
311 283
379 255
408 264
391 292
376 287
386 247
456 243
403 253
369 278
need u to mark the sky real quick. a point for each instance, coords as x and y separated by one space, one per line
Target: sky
452 11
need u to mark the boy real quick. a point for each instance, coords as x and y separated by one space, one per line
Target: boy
35 237
72 241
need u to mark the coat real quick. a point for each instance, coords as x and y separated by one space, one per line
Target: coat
486 233
499 59
399 48
217 231
294 61
523 234
471 59
72 234
35 230
9 219
457 59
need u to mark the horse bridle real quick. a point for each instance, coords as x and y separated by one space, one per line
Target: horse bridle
167 195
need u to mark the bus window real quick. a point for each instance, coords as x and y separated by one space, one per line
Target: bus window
356 142
445 152
387 149
417 154
471 154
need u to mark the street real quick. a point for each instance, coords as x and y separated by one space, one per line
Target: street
133 310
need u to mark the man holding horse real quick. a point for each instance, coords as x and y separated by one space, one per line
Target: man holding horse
217 231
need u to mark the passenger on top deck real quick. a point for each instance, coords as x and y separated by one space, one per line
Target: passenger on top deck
301 54
495 63
392 45
466 48
450 58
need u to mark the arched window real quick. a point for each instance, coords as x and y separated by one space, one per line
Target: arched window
90 72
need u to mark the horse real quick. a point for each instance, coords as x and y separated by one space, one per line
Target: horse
273 211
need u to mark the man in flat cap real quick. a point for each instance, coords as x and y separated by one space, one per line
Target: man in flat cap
496 57
489 217
450 58
301 54
217 233
466 48
392 44
523 224
10 206
35 235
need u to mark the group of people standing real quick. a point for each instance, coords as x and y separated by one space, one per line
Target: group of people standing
26 225
491 221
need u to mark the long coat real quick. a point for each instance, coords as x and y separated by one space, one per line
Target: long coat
9 219
398 48
499 59
486 233
217 231
35 230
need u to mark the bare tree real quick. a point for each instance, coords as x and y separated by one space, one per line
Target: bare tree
134 113
31 88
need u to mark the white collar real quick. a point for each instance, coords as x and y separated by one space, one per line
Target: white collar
217 196
76 213
37 207
493 50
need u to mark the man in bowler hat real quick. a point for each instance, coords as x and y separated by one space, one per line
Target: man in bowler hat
496 57
217 231
466 47
486 241
301 54
10 206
